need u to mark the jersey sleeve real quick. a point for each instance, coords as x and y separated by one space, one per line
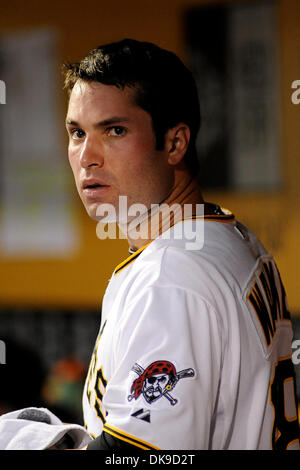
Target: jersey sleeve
167 361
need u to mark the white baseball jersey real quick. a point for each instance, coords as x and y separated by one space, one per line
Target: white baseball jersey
194 348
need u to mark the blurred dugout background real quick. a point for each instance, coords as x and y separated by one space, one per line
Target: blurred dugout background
53 268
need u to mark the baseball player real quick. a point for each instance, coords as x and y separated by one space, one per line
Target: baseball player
194 346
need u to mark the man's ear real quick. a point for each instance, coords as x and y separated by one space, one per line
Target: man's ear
177 142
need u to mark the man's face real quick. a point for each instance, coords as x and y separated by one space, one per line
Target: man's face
112 149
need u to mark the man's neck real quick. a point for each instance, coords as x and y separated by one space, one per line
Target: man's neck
185 193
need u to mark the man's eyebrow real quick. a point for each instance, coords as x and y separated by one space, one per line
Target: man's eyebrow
105 122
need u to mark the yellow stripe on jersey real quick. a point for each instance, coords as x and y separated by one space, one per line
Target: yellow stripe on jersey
212 218
226 217
130 259
128 438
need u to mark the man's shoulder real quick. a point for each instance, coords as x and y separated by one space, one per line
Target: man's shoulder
227 255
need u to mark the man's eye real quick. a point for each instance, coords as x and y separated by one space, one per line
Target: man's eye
116 131
77 134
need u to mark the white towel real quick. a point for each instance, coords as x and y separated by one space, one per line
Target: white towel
39 429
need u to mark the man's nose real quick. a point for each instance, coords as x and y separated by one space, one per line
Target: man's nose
91 153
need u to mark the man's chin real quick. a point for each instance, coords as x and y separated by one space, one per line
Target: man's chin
99 215
101 218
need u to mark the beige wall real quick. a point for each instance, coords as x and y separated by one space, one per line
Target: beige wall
81 280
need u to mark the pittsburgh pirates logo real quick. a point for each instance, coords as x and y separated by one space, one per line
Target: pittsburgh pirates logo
156 381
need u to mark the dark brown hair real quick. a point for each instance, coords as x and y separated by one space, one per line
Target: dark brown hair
164 87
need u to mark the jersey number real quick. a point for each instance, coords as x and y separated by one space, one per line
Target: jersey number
96 381
285 427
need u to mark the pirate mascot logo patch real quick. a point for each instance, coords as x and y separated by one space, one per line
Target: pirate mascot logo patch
157 381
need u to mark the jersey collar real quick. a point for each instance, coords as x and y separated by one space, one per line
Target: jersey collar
212 213
130 259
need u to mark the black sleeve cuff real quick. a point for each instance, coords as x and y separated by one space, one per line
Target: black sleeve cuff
108 442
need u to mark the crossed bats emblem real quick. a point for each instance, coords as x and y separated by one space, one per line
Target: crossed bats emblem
157 380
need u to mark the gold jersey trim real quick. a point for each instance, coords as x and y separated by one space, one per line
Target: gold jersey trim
225 217
128 438
130 259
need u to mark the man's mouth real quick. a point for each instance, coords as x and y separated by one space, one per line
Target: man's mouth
95 185
94 188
